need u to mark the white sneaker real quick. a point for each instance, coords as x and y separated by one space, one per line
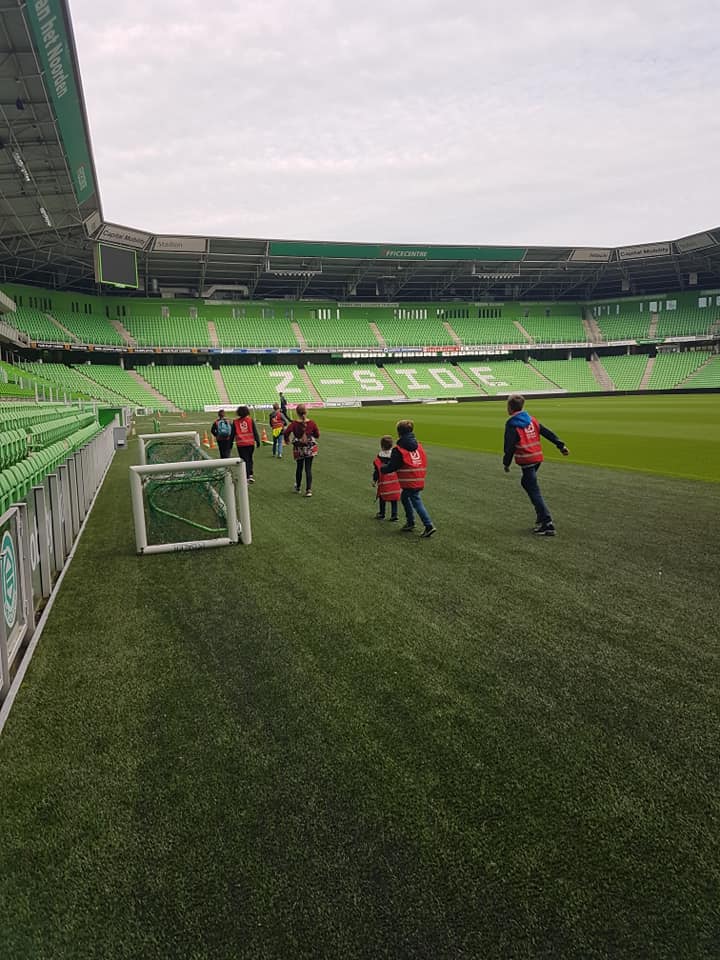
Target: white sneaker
296 489
309 493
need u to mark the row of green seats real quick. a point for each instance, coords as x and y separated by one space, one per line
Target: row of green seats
14 415
36 324
190 388
626 373
259 333
555 329
253 383
121 382
16 480
89 329
43 434
671 369
500 377
707 375
13 447
575 376
493 330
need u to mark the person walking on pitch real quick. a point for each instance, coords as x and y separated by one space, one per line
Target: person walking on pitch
222 430
409 461
522 441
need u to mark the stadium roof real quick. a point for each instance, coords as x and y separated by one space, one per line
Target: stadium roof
51 214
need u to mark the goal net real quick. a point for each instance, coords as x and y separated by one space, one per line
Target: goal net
187 503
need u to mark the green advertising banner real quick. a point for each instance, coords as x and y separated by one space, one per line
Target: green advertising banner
382 251
47 23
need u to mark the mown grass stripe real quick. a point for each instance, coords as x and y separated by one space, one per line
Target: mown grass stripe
344 742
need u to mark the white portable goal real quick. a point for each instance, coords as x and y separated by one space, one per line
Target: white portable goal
189 503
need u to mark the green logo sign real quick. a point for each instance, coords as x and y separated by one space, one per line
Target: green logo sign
8 572
52 41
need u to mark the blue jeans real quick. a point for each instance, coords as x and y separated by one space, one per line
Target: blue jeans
412 500
529 483
277 444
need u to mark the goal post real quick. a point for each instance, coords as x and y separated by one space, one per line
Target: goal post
170 497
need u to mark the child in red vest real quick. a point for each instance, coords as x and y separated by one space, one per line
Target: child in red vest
408 460
388 485
522 440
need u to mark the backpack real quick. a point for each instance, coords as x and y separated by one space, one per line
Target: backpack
224 428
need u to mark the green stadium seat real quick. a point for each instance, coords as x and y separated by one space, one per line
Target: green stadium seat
671 369
626 372
188 387
429 381
575 376
260 384
90 329
501 377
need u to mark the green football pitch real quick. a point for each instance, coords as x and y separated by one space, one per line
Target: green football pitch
346 742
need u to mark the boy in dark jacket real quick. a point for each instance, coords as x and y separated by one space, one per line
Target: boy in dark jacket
522 440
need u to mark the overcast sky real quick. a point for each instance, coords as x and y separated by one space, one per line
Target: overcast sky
465 121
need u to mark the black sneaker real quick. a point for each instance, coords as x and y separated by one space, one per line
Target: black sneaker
379 516
545 530
394 519
429 531
408 528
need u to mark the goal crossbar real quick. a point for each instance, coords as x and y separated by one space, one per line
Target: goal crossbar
144 438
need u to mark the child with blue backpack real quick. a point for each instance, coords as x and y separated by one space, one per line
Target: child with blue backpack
222 430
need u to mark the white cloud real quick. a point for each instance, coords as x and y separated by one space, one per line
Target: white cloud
409 121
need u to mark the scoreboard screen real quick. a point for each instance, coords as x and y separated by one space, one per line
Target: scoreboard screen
116 266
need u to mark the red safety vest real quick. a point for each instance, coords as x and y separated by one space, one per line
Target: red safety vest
528 449
412 473
388 487
276 419
244 436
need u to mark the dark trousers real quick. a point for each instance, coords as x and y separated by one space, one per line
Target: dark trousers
307 463
412 502
246 454
530 485
225 446
393 507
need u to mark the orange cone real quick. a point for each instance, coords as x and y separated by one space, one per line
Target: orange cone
264 436
205 440
212 442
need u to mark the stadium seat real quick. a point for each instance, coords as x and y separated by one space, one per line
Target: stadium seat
189 387
626 372
575 376
254 384
670 369
500 377
90 329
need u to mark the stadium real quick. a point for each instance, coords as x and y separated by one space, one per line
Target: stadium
326 739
